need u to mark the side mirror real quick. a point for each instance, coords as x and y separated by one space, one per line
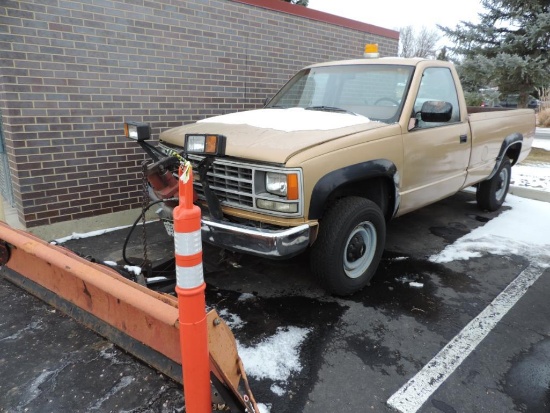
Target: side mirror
436 111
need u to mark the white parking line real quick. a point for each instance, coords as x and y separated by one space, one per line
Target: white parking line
410 397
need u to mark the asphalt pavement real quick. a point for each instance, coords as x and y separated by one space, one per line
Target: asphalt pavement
359 351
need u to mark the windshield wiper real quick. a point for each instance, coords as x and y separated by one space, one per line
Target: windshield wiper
276 107
331 109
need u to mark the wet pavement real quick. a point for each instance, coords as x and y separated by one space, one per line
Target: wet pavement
49 363
359 350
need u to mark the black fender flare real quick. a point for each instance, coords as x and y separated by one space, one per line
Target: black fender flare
507 143
353 173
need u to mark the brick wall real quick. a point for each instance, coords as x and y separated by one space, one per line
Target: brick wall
72 71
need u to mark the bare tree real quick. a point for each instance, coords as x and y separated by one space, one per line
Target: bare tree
544 97
417 44
406 42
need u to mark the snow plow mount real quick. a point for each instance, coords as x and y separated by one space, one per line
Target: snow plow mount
143 322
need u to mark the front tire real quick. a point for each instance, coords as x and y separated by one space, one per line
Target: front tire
491 193
349 246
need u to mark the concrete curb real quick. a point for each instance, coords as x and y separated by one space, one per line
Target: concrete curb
530 193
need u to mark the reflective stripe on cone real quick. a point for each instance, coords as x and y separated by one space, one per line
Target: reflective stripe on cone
189 243
189 271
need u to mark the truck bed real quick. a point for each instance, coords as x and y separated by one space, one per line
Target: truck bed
489 127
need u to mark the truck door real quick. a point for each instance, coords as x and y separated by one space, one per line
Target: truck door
436 155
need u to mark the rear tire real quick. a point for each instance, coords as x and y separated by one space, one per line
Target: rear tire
491 193
349 246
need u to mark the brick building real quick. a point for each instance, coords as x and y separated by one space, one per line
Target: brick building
71 71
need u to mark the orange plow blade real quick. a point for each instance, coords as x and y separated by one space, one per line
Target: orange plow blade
143 322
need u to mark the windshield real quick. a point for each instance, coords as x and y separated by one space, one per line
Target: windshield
375 91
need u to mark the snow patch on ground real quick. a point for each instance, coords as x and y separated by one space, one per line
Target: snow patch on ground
542 144
411 280
536 177
276 357
232 320
519 231
110 353
122 383
34 325
76 235
278 390
132 269
246 297
264 408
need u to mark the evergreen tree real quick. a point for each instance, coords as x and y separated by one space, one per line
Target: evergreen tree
442 55
512 40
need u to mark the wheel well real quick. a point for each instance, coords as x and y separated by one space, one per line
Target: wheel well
379 190
513 152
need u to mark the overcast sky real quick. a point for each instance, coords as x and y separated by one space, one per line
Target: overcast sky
393 14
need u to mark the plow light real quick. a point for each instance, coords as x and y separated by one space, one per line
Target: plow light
137 131
205 144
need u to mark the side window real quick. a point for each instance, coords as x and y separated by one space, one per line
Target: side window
437 84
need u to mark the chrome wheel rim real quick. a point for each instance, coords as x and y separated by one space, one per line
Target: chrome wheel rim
360 249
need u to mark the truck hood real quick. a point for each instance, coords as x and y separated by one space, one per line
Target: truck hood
274 135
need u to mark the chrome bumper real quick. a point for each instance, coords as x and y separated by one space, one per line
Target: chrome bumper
266 243
283 243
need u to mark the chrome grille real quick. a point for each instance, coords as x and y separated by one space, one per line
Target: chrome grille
231 182
239 184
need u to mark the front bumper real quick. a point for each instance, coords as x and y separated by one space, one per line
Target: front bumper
266 243
279 243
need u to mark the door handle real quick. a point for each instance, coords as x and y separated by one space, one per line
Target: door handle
463 138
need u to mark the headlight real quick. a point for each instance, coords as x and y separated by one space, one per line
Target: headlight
205 144
280 191
276 183
282 184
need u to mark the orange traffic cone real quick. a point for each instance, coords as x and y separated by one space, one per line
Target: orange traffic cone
192 304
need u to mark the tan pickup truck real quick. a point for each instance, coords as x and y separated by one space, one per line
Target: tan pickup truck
341 149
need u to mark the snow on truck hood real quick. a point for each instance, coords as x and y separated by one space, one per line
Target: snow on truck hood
290 120
274 135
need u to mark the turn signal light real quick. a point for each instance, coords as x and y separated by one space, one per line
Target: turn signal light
292 187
